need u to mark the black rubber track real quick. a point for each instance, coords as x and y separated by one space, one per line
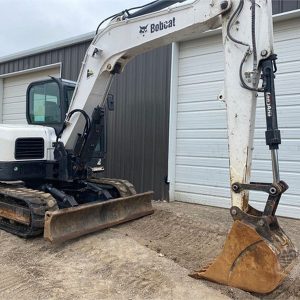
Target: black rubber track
38 203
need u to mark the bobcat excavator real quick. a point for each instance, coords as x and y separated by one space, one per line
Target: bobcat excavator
47 184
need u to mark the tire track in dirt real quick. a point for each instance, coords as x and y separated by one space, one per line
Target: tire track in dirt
12 281
15 283
106 265
193 235
112 264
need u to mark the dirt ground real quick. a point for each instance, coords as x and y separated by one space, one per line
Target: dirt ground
192 236
149 258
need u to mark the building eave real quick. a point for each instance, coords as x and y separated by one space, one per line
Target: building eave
89 36
276 18
49 47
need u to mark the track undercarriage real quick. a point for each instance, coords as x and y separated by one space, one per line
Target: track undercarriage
68 210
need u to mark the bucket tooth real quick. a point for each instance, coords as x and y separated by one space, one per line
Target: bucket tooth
203 269
250 262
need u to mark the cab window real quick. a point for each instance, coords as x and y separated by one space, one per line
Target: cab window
69 95
44 103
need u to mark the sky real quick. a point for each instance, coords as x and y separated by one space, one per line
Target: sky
26 24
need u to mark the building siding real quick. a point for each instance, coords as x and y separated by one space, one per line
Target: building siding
202 164
280 6
14 94
70 57
138 128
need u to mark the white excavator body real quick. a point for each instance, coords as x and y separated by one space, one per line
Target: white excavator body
257 255
11 141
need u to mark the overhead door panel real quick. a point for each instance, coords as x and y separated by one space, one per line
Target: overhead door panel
202 165
14 94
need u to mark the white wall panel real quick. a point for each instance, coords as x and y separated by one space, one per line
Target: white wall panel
202 166
14 94
1 98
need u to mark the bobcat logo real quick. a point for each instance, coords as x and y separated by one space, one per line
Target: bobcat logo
143 29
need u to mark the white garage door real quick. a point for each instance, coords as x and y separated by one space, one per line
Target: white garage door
14 94
201 172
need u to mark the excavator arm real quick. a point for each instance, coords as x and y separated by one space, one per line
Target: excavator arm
124 38
257 254
61 197
130 35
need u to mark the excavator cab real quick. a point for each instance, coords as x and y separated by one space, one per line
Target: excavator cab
47 189
47 104
48 101
60 198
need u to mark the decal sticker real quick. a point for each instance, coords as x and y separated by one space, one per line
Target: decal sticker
89 73
143 29
269 104
155 27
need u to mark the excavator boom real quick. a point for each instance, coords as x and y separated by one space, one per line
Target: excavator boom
257 255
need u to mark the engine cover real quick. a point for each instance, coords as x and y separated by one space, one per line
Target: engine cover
26 143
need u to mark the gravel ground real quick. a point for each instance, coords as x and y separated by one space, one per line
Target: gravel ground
149 258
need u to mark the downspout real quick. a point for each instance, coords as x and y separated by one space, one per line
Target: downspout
173 121
1 99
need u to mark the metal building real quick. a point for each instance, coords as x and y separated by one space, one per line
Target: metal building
138 128
199 164
194 159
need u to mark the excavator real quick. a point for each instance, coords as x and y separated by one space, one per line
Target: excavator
48 184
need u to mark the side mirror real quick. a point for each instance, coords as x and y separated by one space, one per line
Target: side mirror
110 102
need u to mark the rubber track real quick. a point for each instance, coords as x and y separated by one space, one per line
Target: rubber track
124 187
36 201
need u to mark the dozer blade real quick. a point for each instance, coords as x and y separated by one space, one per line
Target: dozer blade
252 261
70 223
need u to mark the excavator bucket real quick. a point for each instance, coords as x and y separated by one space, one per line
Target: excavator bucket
70 223
256 257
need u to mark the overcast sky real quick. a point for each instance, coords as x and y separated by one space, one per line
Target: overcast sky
25 24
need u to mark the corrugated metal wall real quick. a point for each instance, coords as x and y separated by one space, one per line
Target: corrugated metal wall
138 128
285 5
70 56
